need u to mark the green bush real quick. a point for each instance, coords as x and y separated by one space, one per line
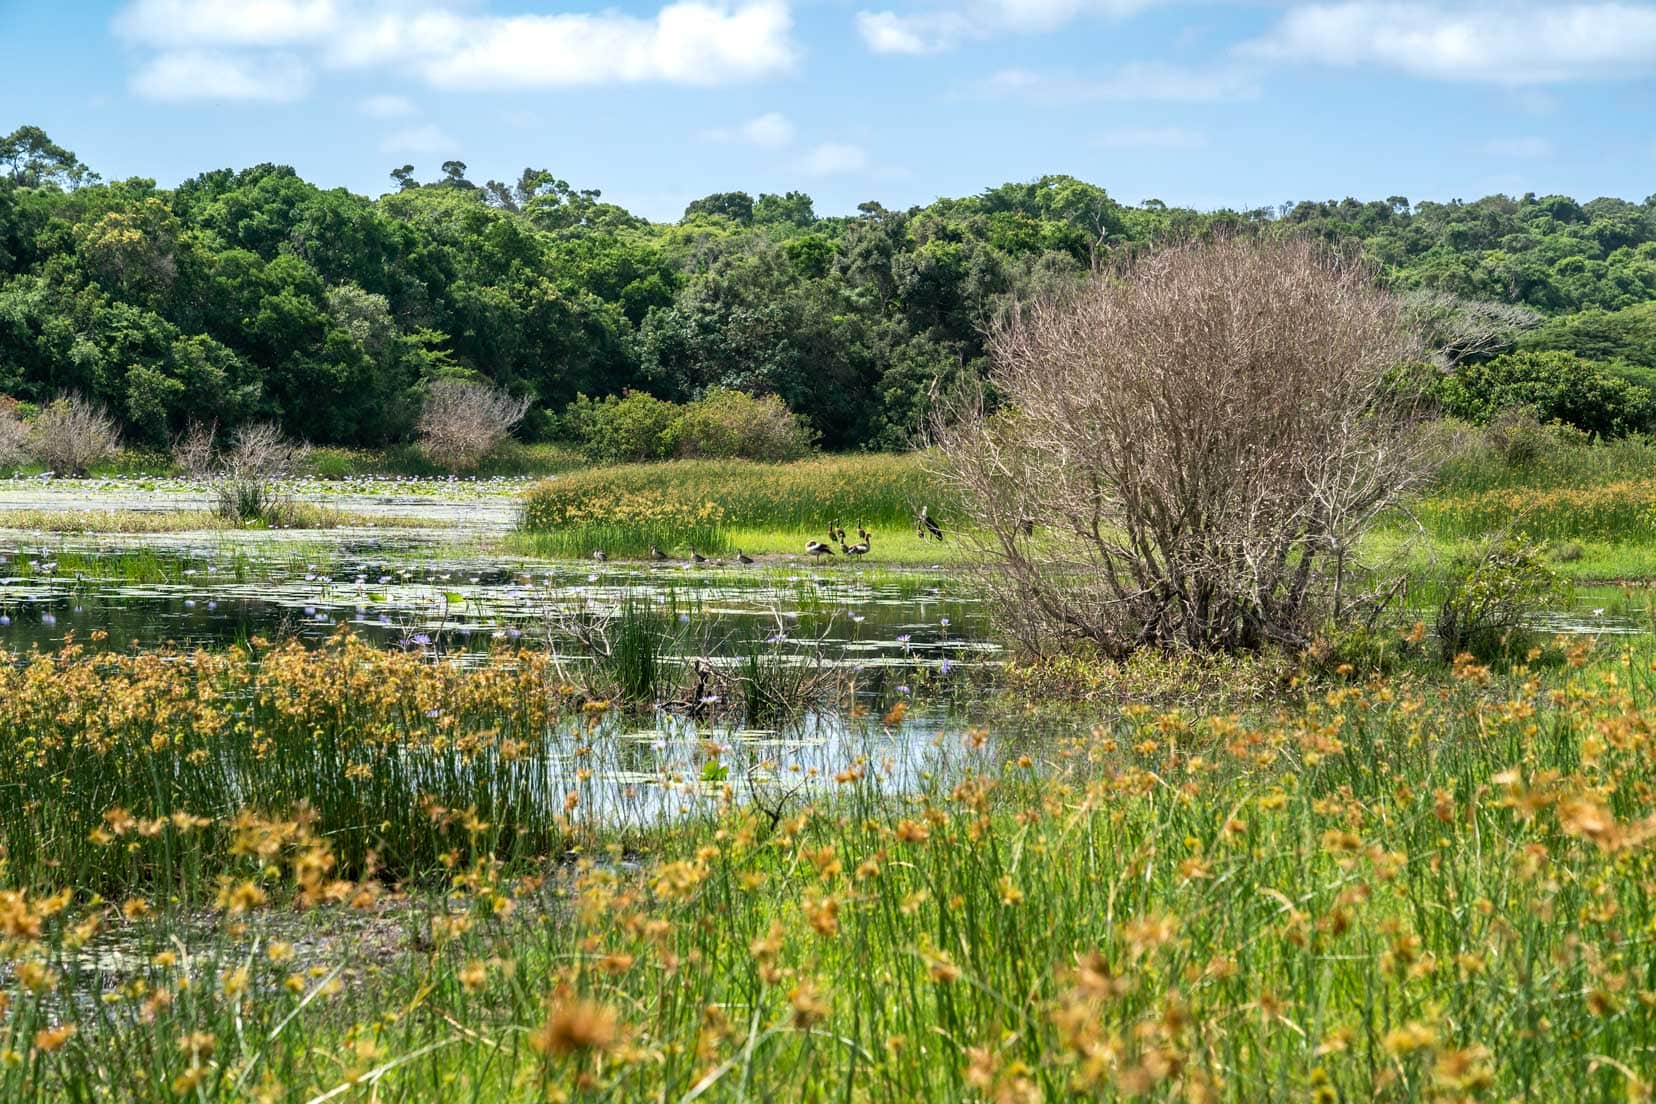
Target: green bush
1492 597
1555 386
733 425
724 425
634 427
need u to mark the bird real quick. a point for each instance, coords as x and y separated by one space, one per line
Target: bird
743 557
1026 526
656 553
855 549
697 557
862 534
817 548
836 535
600 555
925 526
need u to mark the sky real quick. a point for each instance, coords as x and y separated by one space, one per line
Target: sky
1204 103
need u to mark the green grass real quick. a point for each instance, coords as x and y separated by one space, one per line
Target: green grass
717 506
300 515
1425 887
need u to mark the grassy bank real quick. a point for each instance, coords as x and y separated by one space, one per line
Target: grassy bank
721 506
302 515
1400 890
513 460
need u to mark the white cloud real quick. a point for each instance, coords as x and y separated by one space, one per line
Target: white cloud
686 43
1518 148
938 29
421 139
449 45
831 158
1136 81
1165 138
772 130
177 23
211 75
1511 43
387 107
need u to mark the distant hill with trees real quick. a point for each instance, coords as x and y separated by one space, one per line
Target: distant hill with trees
254 295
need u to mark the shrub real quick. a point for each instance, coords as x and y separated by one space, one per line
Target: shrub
1189 451
1492 597
247 485
463 421
71 434
193 450
14 434
1555 386
1518 437
634 427
730 425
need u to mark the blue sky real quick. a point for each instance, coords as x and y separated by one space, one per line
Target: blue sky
1201 102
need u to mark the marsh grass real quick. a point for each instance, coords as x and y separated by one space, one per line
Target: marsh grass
707 504
296 515
1388 890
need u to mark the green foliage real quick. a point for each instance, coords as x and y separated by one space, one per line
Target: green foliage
1492 596
733 425
634 427
1554 386
252 295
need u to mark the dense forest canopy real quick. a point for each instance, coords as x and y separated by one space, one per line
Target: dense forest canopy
254 294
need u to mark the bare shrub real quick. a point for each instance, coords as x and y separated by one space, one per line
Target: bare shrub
70 434
247 484
464 421
1189 448
1518 436
1457 329
193 450
14 434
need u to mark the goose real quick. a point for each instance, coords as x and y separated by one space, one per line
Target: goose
743 557
926 526
862 534
600 555
697 557
856 549
836 535
656 553
817 548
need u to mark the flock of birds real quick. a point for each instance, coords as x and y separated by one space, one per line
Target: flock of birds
925 527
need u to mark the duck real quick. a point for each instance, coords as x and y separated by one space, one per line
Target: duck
600 555
656 553
743 557
817 548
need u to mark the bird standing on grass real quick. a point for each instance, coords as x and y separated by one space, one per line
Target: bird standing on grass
926 526
743 557
817 548
656 553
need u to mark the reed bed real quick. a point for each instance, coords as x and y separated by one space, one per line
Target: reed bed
682 504
1616 512
1397 889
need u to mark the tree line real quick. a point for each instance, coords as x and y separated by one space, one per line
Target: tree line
253 295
